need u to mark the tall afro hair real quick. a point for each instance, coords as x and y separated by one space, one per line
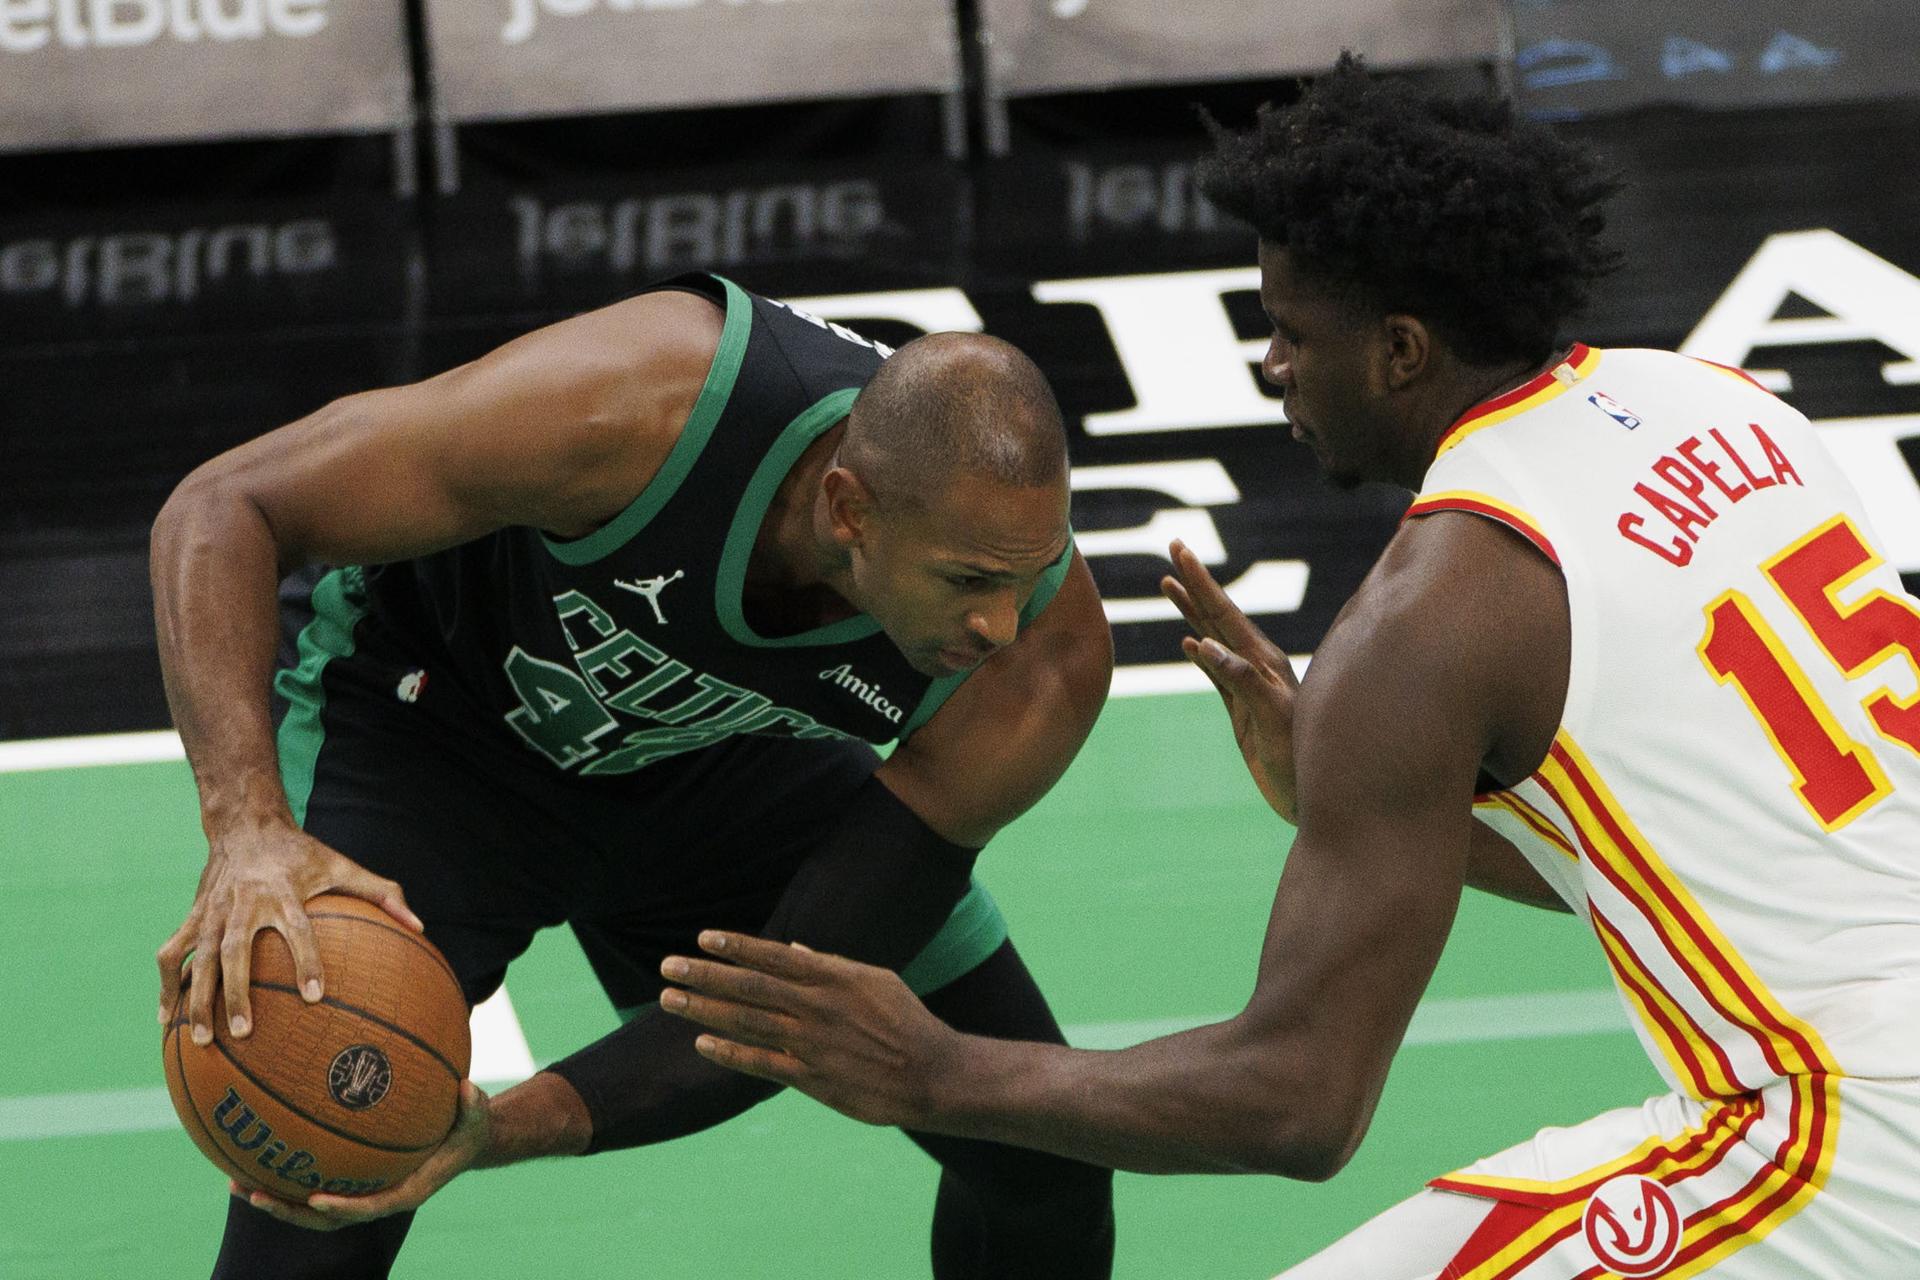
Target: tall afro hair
1485 226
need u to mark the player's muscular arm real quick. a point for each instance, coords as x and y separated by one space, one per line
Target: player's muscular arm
558 429
1433 669
1010 731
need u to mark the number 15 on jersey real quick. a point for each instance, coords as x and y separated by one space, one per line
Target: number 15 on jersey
1836 777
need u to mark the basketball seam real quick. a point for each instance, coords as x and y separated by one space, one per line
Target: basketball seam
267 1089
408 934
180 1065
372 1017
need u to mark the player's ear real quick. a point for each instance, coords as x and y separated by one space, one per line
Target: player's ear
849 506
1408 349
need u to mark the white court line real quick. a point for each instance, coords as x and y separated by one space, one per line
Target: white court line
94 750
1443 1020
34 754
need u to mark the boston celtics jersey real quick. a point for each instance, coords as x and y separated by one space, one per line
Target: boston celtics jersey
606 653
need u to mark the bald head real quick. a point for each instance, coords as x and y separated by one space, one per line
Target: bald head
954 403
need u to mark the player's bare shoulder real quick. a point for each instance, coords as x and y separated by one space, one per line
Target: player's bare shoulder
1462 602
625 379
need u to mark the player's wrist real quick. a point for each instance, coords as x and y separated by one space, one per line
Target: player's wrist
956 1086
252 803
542 1116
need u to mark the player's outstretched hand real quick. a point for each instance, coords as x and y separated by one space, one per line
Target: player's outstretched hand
463 1145
261 880
1252 673
847 1034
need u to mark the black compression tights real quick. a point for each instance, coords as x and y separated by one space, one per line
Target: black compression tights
1002 1212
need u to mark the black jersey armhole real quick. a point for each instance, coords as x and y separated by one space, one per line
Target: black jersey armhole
714 394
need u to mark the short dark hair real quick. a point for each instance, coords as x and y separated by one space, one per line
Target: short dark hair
952 402
1485 226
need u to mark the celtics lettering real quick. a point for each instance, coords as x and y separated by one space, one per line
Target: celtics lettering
566 712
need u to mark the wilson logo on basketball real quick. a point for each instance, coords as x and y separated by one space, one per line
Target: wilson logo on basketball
1632 1227
359 1077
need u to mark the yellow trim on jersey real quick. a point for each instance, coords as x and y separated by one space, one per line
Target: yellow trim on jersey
1664 902
1538 822
1729 1113
1632 978
1778 1177
1564 1219
1843 743
1553 386
1468 499
1668 920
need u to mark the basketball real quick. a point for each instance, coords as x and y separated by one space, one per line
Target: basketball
345 1096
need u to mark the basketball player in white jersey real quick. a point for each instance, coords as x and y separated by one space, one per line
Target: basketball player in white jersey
1634 654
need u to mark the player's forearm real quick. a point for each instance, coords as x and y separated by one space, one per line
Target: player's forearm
215 572
541 1116
1204 1101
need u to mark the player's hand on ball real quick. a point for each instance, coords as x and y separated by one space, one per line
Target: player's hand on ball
465 1144
1252 673
255 880
847 1034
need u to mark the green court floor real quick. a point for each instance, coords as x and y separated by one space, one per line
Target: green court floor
1138 891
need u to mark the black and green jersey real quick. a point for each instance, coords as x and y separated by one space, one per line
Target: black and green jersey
621 648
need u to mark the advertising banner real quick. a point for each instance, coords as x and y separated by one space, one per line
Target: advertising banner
1048 46
1573 57
509 59
80 73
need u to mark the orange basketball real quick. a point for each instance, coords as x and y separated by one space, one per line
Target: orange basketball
345 1096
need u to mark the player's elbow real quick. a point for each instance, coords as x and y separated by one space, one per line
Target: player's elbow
1309 1148
1304 1119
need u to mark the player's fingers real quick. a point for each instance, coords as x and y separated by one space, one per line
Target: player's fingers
170 957
298 931
203 978
1171 588
1207 597
297 1214
746 1022
236 971
732 982
1231 671
1212 612
382 892
1190 646
348 1211
768 1064
778 958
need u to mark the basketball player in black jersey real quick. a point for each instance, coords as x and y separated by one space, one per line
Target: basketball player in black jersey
614 615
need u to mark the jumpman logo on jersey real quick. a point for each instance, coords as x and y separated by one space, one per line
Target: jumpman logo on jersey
651 589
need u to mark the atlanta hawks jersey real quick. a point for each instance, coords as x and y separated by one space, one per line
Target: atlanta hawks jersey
1733 798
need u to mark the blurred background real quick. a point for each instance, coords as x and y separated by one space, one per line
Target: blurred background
216 215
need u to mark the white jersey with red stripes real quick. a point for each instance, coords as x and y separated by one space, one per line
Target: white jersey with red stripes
1732 802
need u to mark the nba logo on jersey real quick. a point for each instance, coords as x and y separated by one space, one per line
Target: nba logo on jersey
1632 1227
1607 405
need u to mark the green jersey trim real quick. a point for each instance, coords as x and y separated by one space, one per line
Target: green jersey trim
730 582
714 393
339 602
1043 593
973 932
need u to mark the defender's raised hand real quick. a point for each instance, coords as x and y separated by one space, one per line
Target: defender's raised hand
1252 673
849 1035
